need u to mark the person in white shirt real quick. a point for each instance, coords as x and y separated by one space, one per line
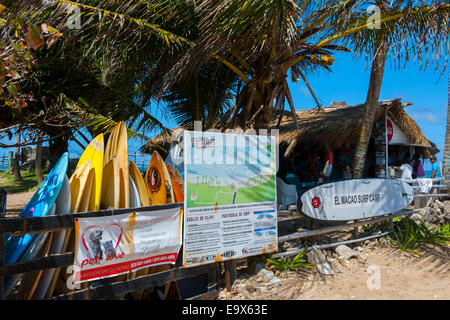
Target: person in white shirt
406 169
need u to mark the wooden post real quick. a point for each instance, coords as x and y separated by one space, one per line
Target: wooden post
230 273
355 232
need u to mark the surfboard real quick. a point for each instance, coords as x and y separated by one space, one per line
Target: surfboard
140 184
94 153
62 205
39 205
110 188
36 248
135 202
180 180
356 199
80 187
77 184
177 191
158 181
34 282
117 146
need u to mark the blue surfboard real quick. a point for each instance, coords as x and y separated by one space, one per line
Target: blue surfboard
39 206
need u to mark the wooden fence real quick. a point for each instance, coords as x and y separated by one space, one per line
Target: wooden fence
21 225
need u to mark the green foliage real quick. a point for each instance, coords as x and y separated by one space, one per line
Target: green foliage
382 226
409 234
286 263
28 183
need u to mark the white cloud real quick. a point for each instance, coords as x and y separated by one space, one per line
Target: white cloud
426 116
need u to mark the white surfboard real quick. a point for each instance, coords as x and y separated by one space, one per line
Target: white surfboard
356 199
62 205
135 201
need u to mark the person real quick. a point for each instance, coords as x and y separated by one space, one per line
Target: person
347 172
419 172
435 168
313 163
291 178
406 168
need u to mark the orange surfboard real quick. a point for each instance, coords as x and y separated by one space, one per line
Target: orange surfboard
177 191
158 181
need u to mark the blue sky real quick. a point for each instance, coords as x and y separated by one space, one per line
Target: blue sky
349 82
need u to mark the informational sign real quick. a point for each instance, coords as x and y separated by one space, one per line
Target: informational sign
230 197
114 245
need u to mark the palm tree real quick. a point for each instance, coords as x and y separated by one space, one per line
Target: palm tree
156 46
426 27
446 162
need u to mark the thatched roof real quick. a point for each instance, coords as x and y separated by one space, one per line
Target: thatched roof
329 127
161 142
333 125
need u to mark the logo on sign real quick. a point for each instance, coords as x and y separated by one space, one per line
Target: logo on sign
316 202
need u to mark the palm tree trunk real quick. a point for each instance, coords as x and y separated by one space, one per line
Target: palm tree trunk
446 163
16 166
371 107
38 162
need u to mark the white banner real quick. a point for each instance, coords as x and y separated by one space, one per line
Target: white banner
230 197
114 245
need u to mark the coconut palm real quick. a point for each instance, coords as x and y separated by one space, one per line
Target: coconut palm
157 45
429 29
446 163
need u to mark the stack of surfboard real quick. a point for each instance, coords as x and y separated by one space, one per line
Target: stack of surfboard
46 201
103 178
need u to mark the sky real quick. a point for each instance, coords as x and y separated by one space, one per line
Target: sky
426 89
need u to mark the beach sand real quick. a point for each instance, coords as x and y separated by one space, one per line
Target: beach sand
401 277
15 202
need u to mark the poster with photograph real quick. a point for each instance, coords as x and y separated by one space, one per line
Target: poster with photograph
230 197
113 245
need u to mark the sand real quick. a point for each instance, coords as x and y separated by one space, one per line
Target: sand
15 202
386 274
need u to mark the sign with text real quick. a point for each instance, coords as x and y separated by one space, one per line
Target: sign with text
230 197
114 245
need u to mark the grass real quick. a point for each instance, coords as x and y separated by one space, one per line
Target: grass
28 183
409 234
286 263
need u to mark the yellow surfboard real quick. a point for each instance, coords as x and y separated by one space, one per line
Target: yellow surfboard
77 185
110 185
117 146
140 184
94 153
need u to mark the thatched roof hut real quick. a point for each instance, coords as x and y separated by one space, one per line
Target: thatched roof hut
332 126
161 142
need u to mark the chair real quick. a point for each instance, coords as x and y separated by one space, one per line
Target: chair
286 195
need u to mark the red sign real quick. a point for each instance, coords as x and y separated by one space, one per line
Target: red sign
389 129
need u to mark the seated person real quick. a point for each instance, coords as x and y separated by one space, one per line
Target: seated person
291 178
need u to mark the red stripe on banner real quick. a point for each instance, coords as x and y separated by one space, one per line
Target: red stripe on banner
123 267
